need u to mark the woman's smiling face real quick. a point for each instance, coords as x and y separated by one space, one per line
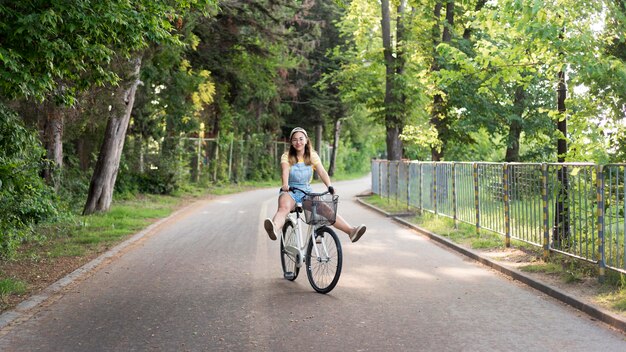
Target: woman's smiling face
298 140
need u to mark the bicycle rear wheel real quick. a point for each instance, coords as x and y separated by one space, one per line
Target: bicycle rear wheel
324 271
290 267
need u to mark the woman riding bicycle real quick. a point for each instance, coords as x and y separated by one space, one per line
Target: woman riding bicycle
297 166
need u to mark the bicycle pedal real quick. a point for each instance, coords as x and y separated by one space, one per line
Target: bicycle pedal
289 275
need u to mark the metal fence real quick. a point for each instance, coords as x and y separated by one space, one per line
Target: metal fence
225 158
577 209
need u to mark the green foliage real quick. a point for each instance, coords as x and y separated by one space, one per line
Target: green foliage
46 43
157 181
24 198
261 165
498 70
11 287
357 147
548 268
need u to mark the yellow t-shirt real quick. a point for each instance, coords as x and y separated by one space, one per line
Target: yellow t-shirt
315 159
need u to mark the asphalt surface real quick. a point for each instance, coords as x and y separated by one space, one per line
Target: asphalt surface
209 279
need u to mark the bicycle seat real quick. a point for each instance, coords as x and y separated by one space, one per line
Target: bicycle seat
297 208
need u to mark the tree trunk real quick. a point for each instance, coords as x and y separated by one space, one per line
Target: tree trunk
54 144
515 126
333 154
562 123
393 104
438 114
561 230
105 172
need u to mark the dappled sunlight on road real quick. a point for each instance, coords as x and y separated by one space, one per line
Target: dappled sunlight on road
363 277
376 276
466 274
367 248
414 274
409 235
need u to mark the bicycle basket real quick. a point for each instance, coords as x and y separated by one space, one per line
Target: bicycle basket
320 209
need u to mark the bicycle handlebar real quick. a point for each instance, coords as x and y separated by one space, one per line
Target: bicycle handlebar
291 189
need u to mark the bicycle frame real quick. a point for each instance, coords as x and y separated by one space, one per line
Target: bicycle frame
297 253
316 246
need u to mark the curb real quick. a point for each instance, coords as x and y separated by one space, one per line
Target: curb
595 312
24 309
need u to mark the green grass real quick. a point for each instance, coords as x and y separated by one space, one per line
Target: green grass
11 287
487 243
616 298
79 235
388 205
548 268
620 303
66 249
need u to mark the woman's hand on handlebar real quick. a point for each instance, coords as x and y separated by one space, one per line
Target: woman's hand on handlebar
285 188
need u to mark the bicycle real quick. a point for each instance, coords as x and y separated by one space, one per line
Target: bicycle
318 248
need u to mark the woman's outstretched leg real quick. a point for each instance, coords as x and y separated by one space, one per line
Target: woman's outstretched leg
285 205
354 232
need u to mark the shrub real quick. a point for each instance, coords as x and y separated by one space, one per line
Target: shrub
24 197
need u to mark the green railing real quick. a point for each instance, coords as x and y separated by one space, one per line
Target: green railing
577 209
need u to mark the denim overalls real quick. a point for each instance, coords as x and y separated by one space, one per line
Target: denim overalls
300 175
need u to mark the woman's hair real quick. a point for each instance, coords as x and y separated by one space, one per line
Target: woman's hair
293 156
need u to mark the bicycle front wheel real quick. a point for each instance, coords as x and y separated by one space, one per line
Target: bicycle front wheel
323 266
289 263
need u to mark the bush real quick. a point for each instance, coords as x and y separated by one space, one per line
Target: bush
24 197
157 181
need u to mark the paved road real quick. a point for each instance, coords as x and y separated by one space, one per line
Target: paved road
210 280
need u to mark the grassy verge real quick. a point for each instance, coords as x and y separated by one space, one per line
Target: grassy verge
611 293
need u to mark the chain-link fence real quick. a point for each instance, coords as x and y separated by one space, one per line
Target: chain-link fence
577 209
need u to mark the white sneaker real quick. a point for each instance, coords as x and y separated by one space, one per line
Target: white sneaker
269 227
357 233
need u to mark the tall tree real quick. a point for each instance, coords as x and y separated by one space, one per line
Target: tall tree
105 173
155 24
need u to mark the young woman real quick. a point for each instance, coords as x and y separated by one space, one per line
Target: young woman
297 166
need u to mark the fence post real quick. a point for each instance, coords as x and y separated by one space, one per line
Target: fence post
476 197
421 184
388 182
380 177
435 187
507 213
544 198
600 200
408 180
397 180
454 212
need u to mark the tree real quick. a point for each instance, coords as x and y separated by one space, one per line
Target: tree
50 51
394 69
155 24
24 198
